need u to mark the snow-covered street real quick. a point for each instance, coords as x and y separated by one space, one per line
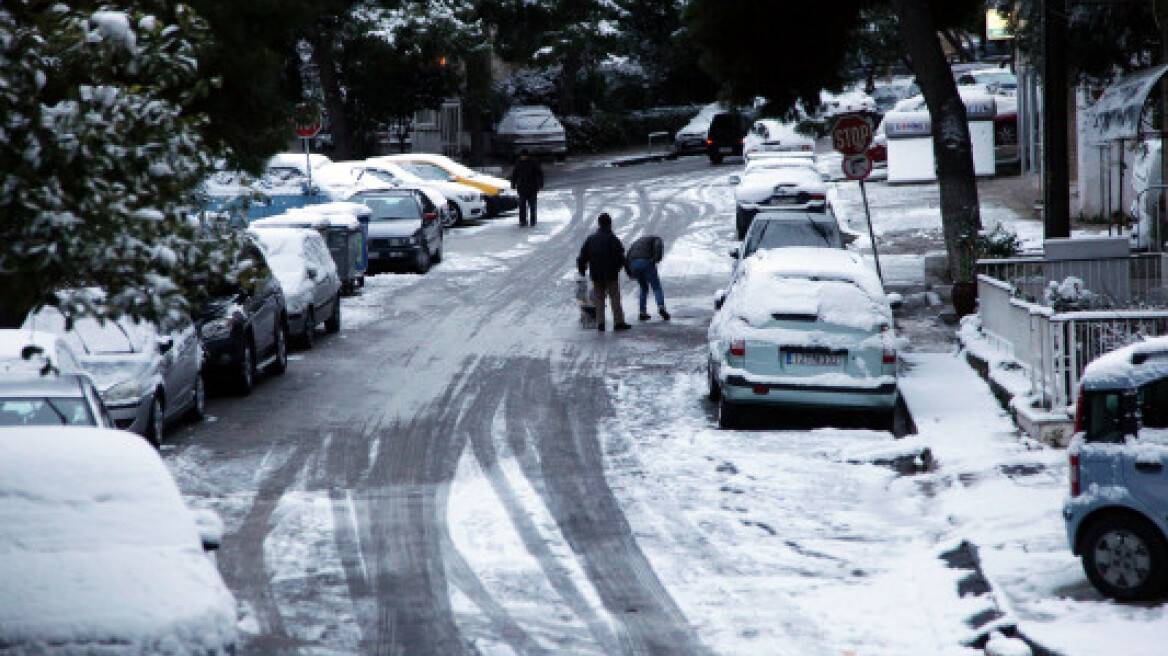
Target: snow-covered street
465 470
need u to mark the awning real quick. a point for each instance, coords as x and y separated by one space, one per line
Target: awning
1116 115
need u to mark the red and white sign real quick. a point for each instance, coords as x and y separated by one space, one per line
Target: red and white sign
307 130
857 167
852 134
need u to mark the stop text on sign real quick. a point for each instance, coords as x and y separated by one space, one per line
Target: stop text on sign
852 134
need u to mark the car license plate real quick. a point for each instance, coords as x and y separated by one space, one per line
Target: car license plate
726 149
813 358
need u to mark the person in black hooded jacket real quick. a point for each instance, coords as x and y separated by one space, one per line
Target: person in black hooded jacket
603 257
527 177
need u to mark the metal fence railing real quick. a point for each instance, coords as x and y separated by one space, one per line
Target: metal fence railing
1139 280
1055 345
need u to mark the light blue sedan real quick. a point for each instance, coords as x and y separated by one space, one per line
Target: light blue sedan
805 327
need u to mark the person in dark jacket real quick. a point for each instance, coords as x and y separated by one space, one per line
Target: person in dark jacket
527 178
603 257
643 257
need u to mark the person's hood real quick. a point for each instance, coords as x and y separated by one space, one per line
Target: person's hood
399 228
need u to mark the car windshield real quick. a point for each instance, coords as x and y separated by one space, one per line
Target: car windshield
427 171
800 229
395 207
45 411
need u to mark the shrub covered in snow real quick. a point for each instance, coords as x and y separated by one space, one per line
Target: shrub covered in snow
97 159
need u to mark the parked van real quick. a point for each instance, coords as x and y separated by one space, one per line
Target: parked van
726 135
1117 511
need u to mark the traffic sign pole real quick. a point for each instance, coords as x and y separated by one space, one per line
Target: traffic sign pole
308 160
871 233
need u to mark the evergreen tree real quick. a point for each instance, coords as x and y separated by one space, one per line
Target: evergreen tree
98 156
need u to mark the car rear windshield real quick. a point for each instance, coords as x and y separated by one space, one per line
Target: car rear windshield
800 229
45 411
391 207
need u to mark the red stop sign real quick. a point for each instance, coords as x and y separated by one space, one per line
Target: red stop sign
306 130
852 134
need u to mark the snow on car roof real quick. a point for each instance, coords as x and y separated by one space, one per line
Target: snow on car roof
835 285
283 246
1130 366
13 341
795 171
99 549
298 161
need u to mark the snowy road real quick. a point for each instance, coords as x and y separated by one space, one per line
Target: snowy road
463 470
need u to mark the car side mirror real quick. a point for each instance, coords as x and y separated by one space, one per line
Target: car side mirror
312 273
848 237
734 179
165 343
895 300
733 252
210 528
430 216
719 299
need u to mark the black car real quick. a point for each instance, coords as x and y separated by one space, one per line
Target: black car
404 231
244 325
726 134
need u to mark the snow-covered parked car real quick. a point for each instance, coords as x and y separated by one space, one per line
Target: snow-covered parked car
777 183
404 231
531 128
464 201
100 553
1117 511
786 228
803 327
772 136
500 197
148 376
312 289
46 353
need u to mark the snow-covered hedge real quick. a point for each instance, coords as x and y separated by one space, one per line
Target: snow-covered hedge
604 130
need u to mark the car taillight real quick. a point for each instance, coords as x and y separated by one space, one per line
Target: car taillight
1075 480
818 196
709 142
738 347
889 348
806 147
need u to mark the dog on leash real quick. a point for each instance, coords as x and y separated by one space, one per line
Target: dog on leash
586 301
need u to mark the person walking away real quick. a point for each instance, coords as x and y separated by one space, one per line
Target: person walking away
527 178
603 257
643 257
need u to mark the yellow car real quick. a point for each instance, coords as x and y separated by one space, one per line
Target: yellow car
500 196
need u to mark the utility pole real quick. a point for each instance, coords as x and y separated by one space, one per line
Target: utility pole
1056 204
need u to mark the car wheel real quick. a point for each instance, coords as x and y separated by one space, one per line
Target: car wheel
560 157
453 216
280 364
198 409
729 414
1125 557
245 377
155 425
423 263
333 323
308 337
715 392
715 159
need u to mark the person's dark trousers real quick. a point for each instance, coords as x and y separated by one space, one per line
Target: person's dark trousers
645 273
526 205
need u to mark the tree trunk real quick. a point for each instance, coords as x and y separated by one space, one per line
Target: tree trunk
322 39
960 215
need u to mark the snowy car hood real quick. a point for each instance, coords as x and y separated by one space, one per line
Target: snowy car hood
169 601
109 370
